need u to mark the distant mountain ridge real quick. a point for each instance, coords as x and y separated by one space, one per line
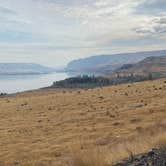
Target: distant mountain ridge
153 65
109 63
148 69
23 68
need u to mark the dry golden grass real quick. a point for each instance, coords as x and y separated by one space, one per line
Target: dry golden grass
96 126
106 156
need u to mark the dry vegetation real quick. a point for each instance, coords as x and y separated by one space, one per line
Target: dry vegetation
92 127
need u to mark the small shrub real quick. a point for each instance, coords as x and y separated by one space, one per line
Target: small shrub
107 113
116 124
126 94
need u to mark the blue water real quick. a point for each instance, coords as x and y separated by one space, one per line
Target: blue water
19 83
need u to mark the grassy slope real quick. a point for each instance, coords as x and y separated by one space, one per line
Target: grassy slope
47 127
148 65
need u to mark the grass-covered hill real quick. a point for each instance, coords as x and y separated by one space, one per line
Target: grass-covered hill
106 64
94 127
154 65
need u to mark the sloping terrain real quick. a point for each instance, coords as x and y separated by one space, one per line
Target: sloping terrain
56 127
23 68
106 64
155 65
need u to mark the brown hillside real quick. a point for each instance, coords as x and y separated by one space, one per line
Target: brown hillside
52 128
149 65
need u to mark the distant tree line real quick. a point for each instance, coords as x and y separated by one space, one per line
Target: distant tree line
86 81
3 94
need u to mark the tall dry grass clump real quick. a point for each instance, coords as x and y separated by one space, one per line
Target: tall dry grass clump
123 150
89 158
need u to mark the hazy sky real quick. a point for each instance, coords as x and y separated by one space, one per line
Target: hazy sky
53 32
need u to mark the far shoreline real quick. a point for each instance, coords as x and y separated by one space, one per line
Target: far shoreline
53 90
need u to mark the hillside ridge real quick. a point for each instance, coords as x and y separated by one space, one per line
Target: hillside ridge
109 63
23 68
153 65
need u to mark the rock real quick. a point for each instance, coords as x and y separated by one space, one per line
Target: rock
156 157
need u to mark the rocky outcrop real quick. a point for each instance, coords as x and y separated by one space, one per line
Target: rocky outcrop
156 157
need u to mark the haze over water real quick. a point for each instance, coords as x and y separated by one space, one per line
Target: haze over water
20 83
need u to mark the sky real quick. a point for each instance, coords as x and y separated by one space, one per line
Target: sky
54 32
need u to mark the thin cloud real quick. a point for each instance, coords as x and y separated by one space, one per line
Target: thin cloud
152 7
77 28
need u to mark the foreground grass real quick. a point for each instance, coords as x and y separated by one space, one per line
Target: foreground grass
96 126
118 152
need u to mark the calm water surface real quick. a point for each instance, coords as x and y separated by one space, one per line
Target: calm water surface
19 83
